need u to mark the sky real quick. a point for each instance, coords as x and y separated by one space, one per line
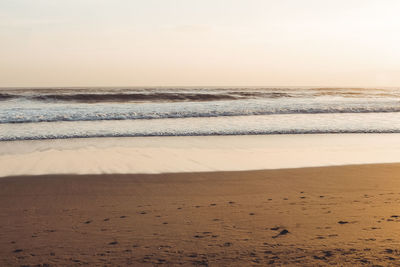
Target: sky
200 43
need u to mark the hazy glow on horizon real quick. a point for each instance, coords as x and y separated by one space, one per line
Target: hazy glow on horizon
193 42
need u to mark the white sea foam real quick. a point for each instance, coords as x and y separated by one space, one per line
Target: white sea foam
231 125
98 112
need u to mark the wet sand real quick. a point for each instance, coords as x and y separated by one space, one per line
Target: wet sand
346 215
176 154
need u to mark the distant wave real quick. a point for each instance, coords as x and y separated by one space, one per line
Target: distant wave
89 98
171 114
7 96
183 95
156 96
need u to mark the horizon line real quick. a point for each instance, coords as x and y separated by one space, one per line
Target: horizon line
198 86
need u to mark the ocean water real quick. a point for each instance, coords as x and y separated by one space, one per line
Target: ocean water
57 113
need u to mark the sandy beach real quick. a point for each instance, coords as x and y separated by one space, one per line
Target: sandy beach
344 215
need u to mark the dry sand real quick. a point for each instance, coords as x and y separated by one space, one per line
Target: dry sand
345 215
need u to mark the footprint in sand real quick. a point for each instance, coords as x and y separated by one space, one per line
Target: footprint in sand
319 257
227 244
283 232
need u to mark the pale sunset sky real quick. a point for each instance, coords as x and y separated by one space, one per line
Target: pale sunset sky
200 43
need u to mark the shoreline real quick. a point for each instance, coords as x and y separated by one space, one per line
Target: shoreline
194 154
100 137
306 216
202 173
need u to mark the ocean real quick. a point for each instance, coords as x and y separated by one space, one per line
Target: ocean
59 113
